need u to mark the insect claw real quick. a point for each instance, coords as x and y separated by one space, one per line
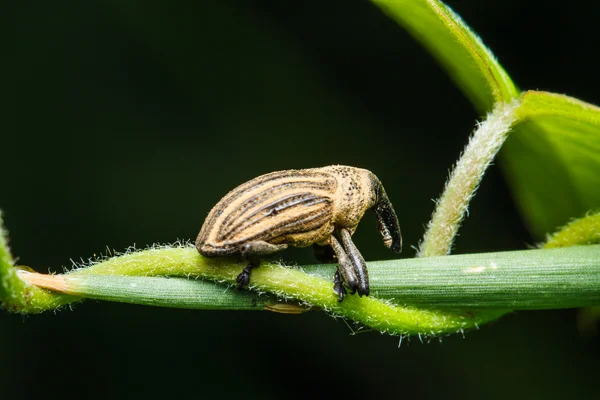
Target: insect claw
341 292
338 286
243 279
363 291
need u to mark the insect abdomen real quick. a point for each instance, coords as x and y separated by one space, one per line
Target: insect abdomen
281 207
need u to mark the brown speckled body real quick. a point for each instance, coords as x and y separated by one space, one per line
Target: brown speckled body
295 207
298 208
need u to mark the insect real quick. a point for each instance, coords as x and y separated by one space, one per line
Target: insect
320 206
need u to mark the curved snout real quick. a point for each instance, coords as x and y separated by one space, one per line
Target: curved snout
387 221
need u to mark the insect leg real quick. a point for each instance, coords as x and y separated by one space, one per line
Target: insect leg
345 274
243 279
251 251
357 261
338 285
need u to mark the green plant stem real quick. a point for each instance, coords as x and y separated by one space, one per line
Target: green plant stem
488 283
286 282
527 279
170 292
584 230
464 180
485 143
292 284
15 294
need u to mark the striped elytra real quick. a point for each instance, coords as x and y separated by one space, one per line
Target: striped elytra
298 208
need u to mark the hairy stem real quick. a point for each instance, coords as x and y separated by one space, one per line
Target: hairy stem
422 296
464 180
15 294
289 283
585 230
526 279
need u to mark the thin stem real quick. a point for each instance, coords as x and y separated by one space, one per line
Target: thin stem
290 283
157 291
543 278
294 284
584 230
527 279
15 294
464 180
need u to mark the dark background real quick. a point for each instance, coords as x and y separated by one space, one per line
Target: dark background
125 122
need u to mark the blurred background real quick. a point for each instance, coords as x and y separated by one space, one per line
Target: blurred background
125 122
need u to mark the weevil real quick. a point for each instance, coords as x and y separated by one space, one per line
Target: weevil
320 206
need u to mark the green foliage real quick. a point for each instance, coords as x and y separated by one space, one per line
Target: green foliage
472 66
552 158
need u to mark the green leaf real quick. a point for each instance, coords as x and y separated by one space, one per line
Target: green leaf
456 47
552 160
152 291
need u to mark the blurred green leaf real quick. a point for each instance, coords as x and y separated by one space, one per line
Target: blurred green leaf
472 66
552 160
